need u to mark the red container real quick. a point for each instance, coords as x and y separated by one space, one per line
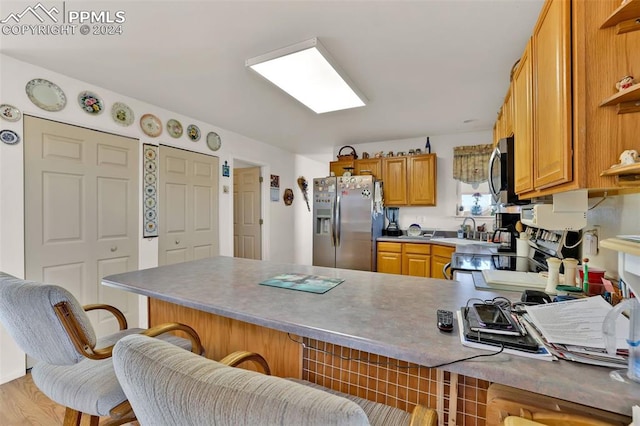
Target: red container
595 275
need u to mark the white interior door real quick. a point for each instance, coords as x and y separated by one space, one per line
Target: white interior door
81 213
188 206
247 232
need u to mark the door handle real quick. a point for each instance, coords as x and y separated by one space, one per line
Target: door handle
114 248
338 219
177 241
333 222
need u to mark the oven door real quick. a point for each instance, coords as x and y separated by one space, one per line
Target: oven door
496 184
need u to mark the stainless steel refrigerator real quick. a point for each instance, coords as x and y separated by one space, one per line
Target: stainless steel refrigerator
347 219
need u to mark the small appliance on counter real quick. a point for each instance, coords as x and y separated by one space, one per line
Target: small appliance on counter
392 230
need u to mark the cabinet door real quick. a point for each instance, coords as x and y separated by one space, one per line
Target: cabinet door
416 265
390 263
338 167
422 180
523 124
440 256
507 114
552 135
370 166
394 170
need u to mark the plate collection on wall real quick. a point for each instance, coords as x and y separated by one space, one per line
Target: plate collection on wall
50 97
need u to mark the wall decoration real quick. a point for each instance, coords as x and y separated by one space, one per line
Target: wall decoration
9 137
90 102
304 186
288 196
122 114
174 128
225 169
151 125
45 94
150 188
193 132
213 141
275 187
9 112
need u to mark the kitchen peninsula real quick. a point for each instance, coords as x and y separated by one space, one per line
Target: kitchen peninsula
389 317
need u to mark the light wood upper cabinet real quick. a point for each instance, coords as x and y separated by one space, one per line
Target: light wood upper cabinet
394 172
552 121
507 115
339 167
523 124
410 180
422 180
369 166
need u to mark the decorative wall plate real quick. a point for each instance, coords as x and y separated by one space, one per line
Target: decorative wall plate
9 112
90 102
151 125
9 137
174 127
122 114
45 94
150 203
193 132
213 141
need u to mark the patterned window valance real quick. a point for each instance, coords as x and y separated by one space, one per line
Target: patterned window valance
471 163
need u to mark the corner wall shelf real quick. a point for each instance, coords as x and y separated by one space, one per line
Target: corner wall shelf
627 100
630 169
629 11
627 176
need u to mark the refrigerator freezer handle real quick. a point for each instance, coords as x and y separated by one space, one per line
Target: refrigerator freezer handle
337 221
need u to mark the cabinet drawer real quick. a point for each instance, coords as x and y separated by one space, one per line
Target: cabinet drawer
416 248
392 247
442 251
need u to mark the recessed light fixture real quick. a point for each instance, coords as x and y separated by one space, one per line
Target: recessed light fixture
307 72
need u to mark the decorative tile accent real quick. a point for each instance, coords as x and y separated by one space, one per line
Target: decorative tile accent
150 189
396 383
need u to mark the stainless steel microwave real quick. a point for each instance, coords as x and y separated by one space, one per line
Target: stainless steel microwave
501 173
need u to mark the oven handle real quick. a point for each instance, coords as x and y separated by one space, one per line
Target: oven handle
445 271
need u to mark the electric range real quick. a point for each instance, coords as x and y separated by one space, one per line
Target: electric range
470 262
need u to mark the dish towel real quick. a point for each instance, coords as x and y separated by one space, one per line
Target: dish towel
378 204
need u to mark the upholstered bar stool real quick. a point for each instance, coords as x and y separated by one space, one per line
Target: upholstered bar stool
168 386
74 368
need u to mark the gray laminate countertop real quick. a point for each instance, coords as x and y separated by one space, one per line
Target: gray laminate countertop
390 315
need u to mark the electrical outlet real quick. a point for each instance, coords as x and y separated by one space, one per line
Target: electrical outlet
590 243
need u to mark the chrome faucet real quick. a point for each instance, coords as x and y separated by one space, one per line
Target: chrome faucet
465 221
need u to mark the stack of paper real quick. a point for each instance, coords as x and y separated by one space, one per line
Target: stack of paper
573 330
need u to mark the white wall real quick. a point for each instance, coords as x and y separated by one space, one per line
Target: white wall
617 215
308 168
443 215
279 220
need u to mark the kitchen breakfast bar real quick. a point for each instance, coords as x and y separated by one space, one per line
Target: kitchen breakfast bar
373 335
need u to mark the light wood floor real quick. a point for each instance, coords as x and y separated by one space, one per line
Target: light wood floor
21 403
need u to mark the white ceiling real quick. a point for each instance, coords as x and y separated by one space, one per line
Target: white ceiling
425 66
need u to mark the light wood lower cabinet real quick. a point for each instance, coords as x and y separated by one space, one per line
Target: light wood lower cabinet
440 256
415 259
390 258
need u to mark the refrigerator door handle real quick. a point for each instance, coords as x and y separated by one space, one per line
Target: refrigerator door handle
338 219
333 222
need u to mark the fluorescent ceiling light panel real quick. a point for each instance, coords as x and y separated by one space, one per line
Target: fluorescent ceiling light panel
307 72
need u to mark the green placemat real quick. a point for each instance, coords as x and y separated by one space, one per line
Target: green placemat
309 283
